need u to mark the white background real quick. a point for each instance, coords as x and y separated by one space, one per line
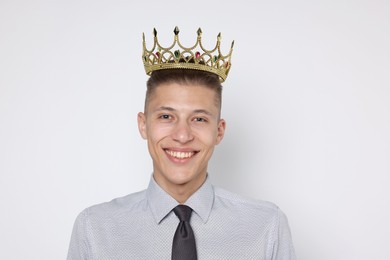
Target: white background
307 106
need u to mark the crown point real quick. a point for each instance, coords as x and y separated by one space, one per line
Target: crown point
232 44
176 31
155 32
219 36
143 37
199 32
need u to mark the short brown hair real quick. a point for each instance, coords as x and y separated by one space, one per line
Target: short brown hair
184 77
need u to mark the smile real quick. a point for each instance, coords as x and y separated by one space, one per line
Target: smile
180 155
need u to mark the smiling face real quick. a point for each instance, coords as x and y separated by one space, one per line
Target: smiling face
182 125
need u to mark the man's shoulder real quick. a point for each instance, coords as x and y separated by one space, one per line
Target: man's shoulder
116 206
239 203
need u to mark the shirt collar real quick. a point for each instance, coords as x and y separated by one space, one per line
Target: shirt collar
161 203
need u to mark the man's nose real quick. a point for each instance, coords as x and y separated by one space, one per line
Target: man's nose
182 132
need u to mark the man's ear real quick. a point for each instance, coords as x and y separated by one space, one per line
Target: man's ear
141 119
221 130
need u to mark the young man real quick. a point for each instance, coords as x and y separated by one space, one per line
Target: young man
181 215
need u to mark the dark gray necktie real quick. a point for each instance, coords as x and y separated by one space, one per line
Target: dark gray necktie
183 247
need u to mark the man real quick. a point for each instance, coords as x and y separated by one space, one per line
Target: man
181 215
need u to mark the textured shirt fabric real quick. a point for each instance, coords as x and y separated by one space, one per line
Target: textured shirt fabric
142 225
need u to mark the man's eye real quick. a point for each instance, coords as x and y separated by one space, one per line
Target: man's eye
200 119
165 117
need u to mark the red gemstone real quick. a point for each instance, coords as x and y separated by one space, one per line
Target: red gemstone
227 64
197 55
158 55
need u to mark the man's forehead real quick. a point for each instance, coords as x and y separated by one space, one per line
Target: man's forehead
177 94
184 101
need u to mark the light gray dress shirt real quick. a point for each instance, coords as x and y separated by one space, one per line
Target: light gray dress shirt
142 225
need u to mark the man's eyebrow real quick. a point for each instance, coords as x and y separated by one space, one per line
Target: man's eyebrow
196 111
162 108
202 111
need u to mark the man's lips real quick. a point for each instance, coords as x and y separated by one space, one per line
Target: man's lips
182 154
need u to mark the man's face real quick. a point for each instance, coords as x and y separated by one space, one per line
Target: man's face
182 126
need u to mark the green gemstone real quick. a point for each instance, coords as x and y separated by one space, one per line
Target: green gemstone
177 54
176 31
215 58
199 32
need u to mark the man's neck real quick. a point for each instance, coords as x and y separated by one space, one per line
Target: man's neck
180 192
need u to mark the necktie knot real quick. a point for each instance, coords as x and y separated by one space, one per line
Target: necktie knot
183 212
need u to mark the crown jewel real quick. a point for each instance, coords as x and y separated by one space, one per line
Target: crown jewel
176 56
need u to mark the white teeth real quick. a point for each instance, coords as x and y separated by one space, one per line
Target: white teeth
180 155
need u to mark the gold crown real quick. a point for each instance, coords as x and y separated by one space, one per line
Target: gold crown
176 56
